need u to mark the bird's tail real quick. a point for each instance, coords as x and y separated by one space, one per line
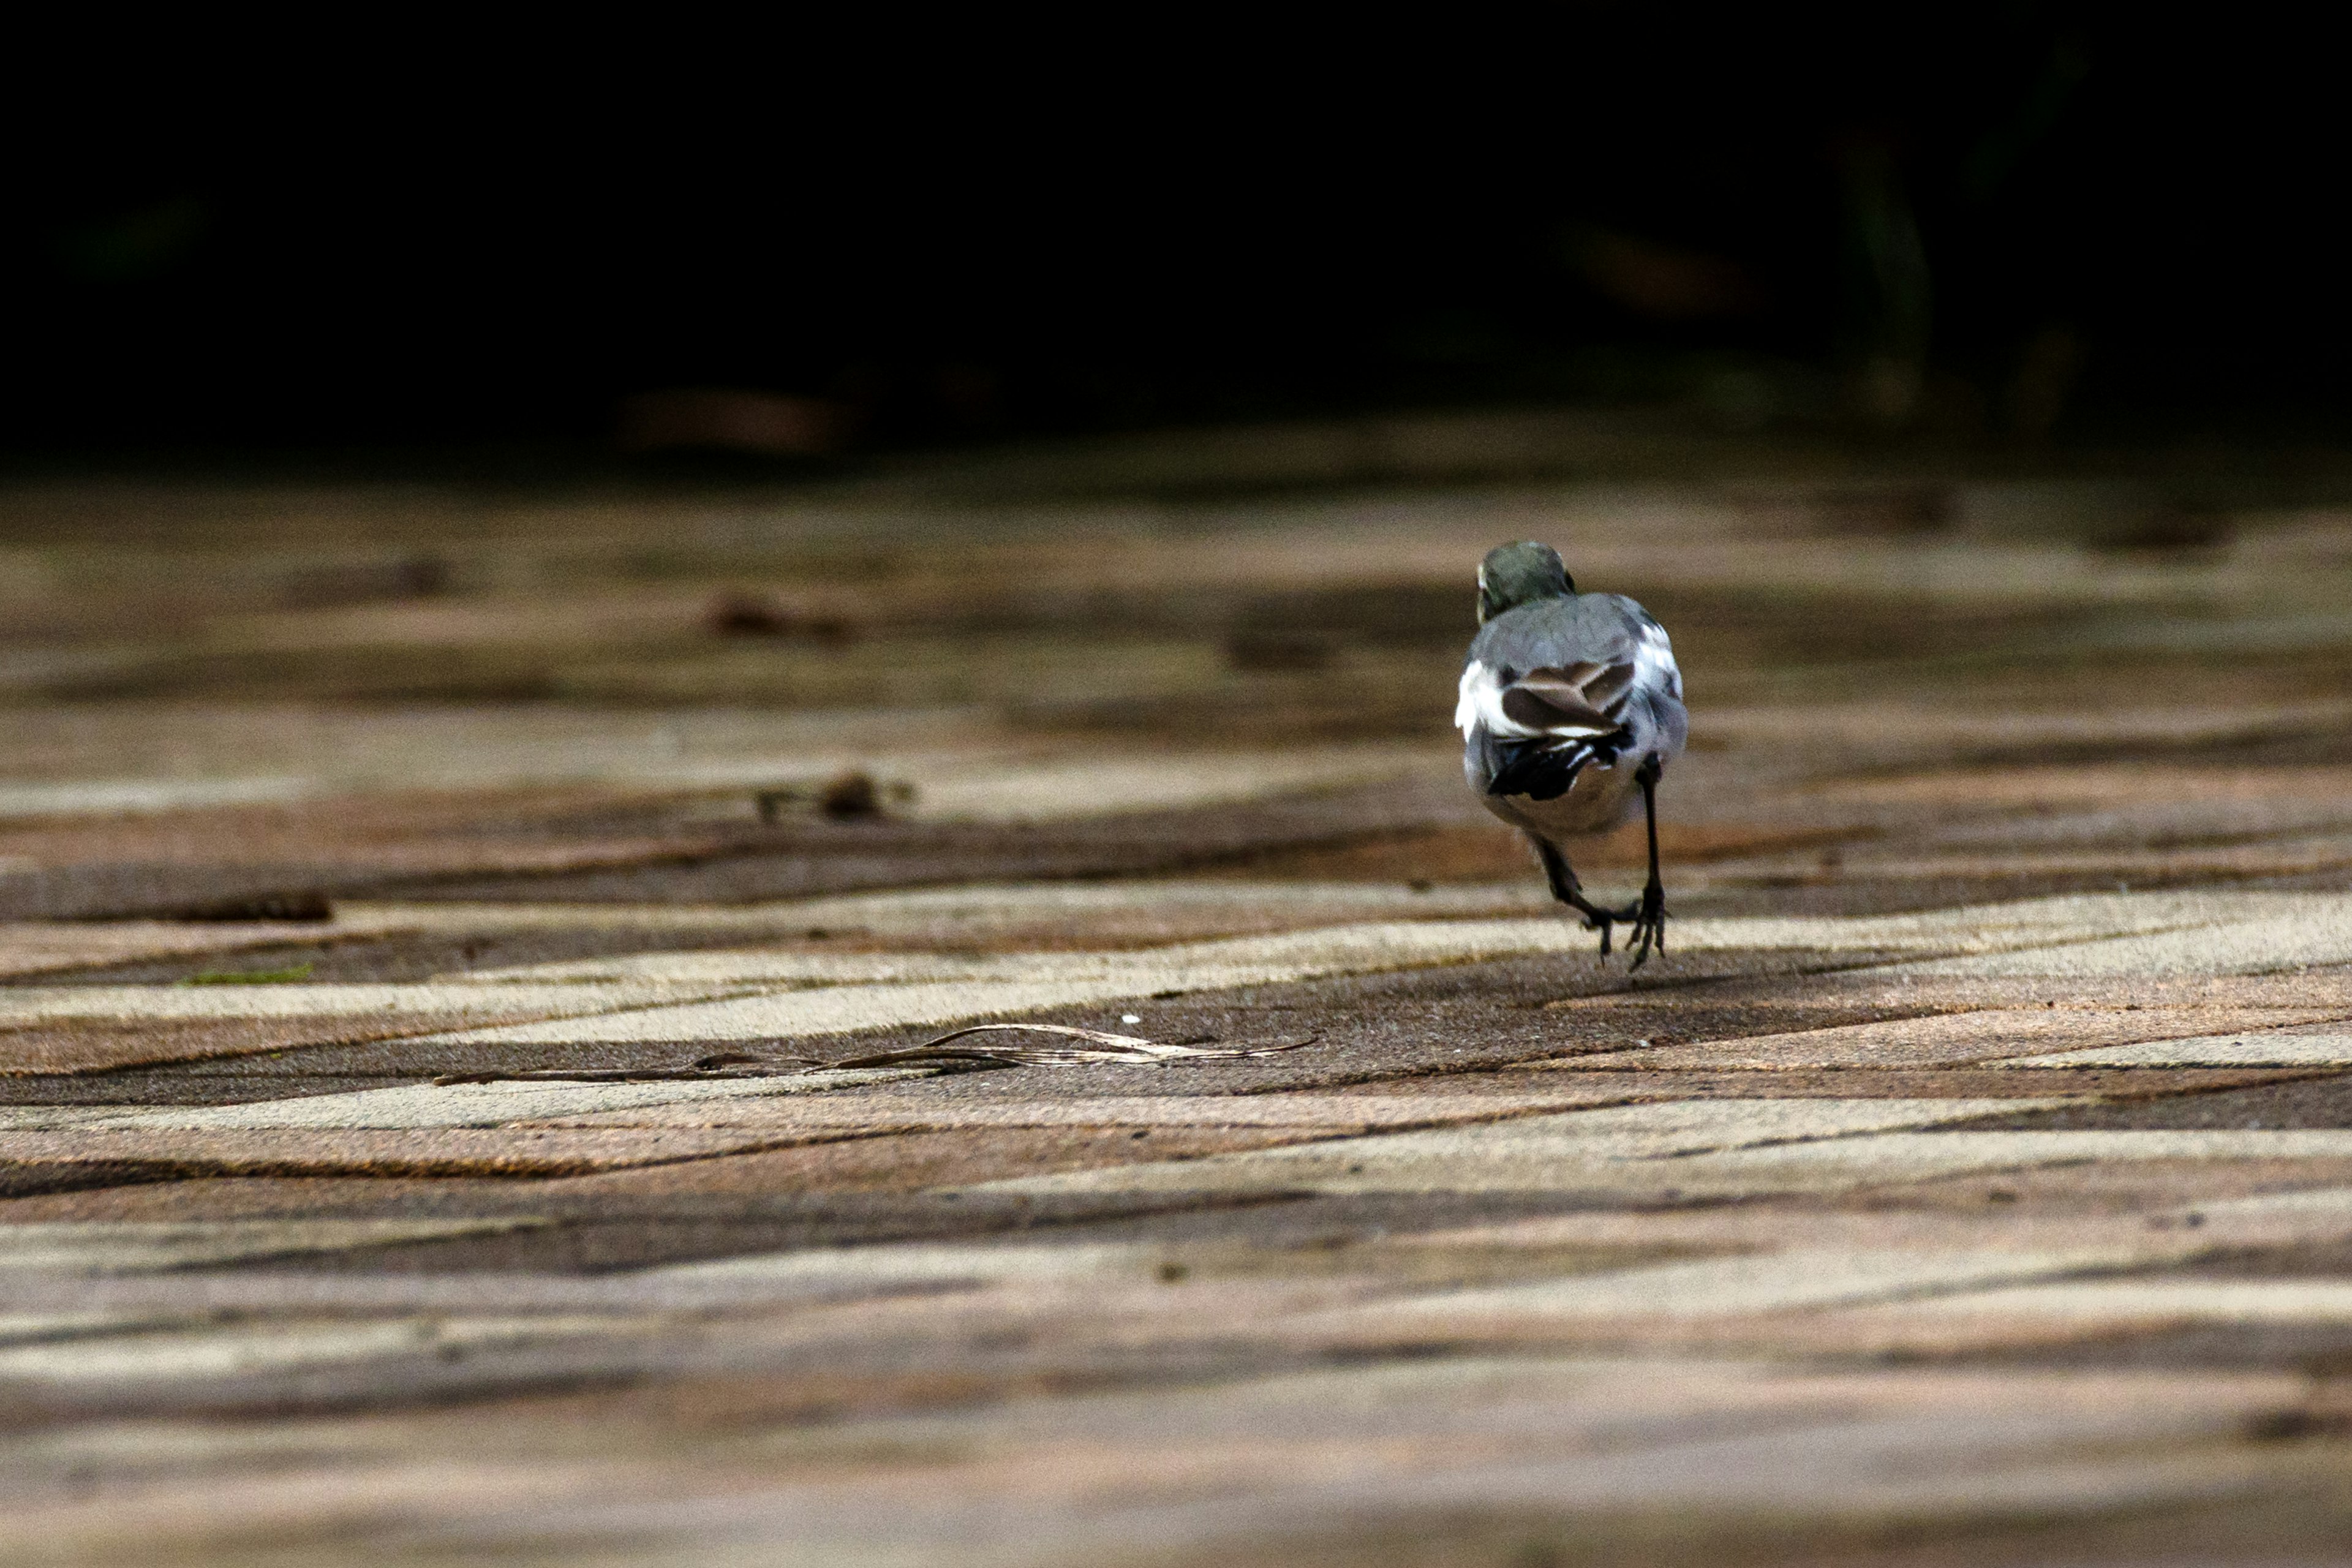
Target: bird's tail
1546 769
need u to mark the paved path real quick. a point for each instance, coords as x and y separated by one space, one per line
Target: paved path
1970 1183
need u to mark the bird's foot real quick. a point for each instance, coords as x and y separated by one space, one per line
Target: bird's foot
1649 922
1602 922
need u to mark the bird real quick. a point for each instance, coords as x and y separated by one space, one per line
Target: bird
1570 703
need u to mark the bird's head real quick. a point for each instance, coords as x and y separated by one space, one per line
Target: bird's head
1516 574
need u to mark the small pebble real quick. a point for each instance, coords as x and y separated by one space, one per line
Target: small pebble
1130 1017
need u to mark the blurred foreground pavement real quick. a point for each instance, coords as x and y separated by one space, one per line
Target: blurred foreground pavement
1970 1183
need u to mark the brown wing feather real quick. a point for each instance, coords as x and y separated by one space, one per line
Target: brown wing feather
1607 690
1572 699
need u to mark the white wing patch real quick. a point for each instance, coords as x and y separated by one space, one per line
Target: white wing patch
1482 702
1654 662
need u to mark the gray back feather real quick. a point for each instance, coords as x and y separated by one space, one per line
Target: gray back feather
1595 628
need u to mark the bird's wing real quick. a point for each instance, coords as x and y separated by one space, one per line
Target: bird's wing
1581 699
1560 705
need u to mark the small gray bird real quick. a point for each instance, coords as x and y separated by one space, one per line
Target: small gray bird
1569 702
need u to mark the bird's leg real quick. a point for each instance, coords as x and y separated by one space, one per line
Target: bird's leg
1569 891
1649 920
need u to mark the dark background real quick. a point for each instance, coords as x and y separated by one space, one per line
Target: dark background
1984 225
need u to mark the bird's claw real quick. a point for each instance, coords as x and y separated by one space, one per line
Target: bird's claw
1602 923
1649 928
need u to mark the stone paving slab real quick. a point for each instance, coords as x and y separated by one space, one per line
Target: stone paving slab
28 947
75 1045
1989 1034
178 1152
1601 1148
2138 1303
2270 1048
499 1104
116 1249
22 1004
1336 1113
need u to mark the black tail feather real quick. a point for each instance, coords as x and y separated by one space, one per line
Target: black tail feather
1546 770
